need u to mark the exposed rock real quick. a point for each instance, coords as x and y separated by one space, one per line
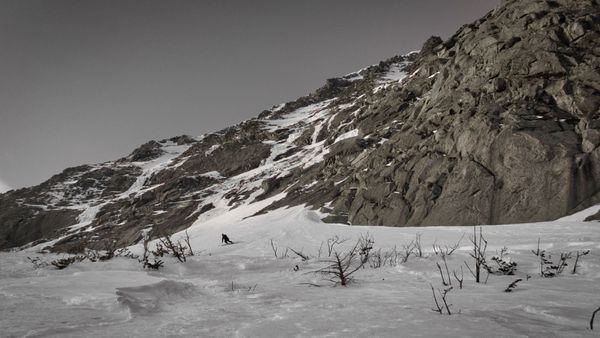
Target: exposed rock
431 44
146 152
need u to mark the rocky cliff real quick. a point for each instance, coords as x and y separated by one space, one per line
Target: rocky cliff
498 124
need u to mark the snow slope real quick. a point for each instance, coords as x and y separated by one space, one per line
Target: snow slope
242 290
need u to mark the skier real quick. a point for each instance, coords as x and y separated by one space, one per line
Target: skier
225 239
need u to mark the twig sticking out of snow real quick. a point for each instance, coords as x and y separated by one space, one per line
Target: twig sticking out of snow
275 251
462 277
592 320
512 285
446 250
418 247
577 260
478 254
550 269
177 249
300 254
537 252
443 295
341 266
445 281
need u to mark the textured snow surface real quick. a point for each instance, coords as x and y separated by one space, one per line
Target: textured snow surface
580 216
396 72
347 135
242 290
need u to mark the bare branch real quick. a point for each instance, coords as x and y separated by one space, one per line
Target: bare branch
300 254
441 274
443 295
417 244
341 266
459 280
512 285
274 248
444 300
187 242
592 320
437 305
578 255
478 254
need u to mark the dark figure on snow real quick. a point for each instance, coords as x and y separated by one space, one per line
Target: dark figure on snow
225 239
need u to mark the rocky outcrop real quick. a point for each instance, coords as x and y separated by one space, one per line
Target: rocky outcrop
146 152
500 123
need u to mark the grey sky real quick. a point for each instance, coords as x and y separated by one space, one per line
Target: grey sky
88 81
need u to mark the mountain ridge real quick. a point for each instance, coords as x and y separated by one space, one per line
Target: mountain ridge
500 123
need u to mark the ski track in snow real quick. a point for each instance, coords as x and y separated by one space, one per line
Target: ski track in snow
269 299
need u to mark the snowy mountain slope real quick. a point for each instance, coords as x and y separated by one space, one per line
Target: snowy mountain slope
172 183
242 290
498 124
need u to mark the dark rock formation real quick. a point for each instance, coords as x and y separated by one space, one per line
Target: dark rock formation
146 152
498 125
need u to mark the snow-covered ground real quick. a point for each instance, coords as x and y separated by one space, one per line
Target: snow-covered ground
242 290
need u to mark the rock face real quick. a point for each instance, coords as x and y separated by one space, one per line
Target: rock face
498 124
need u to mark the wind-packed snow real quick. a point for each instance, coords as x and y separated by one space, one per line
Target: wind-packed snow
306 114
86 217
242 290
354 76
347 135
149 168
396 72
215 175
278 107
212 149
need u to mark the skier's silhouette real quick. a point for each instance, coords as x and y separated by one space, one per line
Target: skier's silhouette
225 239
